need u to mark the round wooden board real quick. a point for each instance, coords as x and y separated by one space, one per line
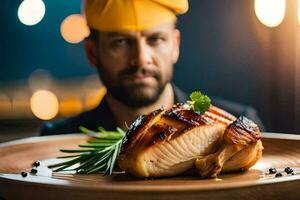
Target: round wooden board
281 150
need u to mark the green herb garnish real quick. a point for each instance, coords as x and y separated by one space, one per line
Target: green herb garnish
199 103
98 155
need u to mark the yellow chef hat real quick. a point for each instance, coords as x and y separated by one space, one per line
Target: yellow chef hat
131 15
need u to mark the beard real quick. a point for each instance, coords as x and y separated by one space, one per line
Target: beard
135 94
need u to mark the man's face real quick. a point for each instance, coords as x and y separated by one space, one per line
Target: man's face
136 66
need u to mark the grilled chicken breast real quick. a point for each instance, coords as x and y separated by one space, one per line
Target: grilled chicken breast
241 147
170 142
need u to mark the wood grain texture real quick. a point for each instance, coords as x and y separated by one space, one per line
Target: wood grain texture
280 151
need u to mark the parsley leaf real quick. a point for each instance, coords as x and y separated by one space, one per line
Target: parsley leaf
199 102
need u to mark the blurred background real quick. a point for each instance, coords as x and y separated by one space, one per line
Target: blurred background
245 51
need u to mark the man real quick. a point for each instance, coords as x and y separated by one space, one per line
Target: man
133 45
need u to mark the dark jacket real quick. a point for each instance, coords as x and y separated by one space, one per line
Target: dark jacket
102 116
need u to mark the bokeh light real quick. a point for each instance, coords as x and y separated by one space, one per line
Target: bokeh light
70 105
270 12
31 12
44 104
5 105
20 104
93 99
74 28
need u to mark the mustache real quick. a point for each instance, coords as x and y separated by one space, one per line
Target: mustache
139 70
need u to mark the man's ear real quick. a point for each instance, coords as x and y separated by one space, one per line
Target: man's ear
176 45
90 50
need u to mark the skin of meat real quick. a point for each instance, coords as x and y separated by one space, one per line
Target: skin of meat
240 150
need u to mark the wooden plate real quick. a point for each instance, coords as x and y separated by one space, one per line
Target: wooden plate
281 150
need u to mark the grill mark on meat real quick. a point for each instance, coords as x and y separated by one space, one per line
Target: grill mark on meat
162 132
189 117
217 118
221 113
242 131
138 126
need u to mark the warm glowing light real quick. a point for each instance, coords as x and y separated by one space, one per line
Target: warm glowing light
70 105
93 99
270 12
262 165
31 12
5 105
44 104
20 105
74 28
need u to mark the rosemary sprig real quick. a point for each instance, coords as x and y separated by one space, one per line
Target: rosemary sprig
98 155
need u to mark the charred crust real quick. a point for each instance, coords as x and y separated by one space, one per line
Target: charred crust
188 117
137 126
242 131
162 132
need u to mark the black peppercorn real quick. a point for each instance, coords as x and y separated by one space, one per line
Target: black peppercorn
33 171
288 170
23 174
292 173
278 175
272 170
36 163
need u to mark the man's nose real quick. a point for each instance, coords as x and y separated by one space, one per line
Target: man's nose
141 56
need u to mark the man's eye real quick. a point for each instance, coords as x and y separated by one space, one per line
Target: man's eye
155 40
120 42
